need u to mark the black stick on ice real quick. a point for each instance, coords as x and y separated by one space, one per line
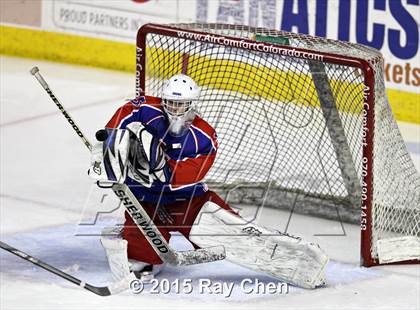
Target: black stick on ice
101 291
115 287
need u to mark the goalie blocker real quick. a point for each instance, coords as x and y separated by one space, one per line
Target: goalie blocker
280 255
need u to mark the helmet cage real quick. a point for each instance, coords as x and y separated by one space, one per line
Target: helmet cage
177 108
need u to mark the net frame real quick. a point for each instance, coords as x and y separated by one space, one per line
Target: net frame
367 61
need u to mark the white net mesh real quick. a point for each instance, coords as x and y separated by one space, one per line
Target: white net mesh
396 187
283 131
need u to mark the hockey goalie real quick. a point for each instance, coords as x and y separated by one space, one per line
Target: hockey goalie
162 150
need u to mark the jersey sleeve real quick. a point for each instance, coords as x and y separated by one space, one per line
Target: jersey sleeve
193 169
147 112
190 170
123 113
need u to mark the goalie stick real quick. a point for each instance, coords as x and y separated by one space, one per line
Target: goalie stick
137 213
114 288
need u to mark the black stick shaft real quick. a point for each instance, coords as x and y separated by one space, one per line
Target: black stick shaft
35 72
102 291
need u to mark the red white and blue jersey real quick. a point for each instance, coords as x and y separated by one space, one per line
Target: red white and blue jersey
189 157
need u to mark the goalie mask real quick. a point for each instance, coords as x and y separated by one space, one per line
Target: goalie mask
179 95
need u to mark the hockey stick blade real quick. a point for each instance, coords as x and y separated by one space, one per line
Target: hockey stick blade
155 238
200 256
114 288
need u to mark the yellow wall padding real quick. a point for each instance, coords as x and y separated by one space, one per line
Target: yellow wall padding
405 106
225 74
67 48
273 84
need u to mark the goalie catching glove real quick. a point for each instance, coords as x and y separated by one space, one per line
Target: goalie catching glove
132 152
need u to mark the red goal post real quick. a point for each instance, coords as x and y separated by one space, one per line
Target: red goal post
183 47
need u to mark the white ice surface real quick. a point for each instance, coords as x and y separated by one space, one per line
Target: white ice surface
46 195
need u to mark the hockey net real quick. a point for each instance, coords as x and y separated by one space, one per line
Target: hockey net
303 123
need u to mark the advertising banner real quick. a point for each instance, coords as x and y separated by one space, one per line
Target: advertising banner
388 25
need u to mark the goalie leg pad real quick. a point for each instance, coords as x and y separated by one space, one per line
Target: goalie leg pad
120 265
280 255
116 252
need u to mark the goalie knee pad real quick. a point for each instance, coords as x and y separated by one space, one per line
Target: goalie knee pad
280 255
